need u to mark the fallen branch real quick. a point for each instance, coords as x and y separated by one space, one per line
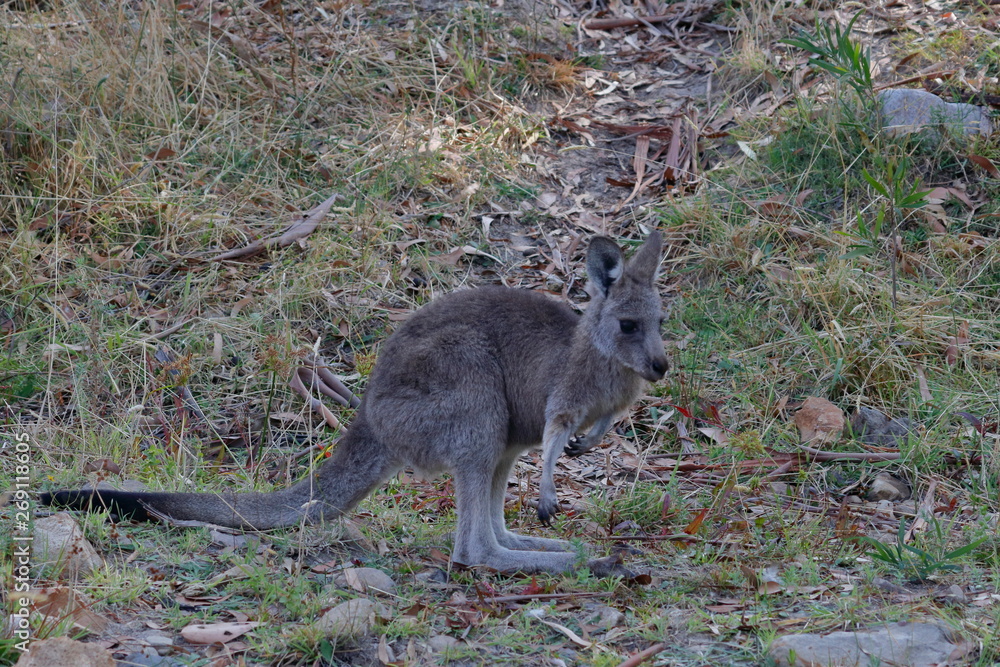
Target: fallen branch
611 24
914 79
291 234
547 596
820 455
643 656
315 374
678 537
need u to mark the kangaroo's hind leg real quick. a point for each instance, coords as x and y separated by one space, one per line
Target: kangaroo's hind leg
476 541
498 493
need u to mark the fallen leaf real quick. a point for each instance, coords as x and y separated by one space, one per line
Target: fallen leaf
925 392
986 164
60 602
819 421
161 153
719 435
99 465
215 633
695 524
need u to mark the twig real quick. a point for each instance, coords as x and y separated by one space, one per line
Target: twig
643 656
549 596
914 79
649 538
610 24
926 507
166 332
294 232
819 455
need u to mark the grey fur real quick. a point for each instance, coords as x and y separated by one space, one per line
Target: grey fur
467 384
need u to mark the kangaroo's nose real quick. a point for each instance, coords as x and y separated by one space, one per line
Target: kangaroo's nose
659 367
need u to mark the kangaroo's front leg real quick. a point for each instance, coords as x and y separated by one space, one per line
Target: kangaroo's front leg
581 445
558 430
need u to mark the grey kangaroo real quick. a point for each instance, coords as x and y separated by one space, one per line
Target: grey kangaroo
467 384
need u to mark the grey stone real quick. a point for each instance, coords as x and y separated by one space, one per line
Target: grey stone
441 642
59 542
908 110
367 579
912 644
953 595
348 620
887 487
161 644
876 429
603 616
432 576
148 657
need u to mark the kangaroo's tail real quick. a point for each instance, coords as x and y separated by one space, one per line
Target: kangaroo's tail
359 464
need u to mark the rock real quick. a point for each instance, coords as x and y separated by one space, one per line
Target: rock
148 657
348 620
64 651
889 587
161 644
876 429
953 595
432 576
439 643
602 616
819 421
887 487
884 508
367 579
912 644
59 542
908 110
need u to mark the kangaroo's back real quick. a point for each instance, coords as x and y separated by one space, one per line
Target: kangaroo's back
509 345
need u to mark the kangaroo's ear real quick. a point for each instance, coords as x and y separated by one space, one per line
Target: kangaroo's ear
646 260
605 263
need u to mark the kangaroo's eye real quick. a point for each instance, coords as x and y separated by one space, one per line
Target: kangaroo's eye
628 326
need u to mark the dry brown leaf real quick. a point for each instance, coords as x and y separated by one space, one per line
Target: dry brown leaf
986 164
215 633
60 602
719 435
639 165
925 392
162 153
102 465
819 421
936 217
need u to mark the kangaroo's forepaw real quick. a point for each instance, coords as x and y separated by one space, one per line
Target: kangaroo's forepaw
548 507
577 445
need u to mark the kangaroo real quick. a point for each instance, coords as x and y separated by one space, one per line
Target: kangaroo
467 384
